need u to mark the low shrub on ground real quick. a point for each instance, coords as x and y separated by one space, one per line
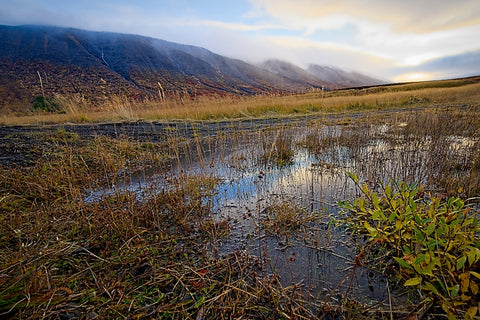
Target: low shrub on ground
432 241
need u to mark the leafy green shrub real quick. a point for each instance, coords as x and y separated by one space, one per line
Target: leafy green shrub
47 104
434 242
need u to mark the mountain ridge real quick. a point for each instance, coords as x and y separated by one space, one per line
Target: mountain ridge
296 73
45 60
341 77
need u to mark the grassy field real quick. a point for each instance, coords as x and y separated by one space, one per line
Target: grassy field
77 110
156 254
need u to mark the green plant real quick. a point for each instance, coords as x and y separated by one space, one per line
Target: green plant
47 104
434 242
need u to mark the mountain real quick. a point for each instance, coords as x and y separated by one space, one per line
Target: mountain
342 78
291 71
320 76
40 61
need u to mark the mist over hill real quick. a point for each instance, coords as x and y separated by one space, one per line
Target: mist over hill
291 71
42 60
341 77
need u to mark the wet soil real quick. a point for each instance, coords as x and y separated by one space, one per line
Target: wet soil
22 145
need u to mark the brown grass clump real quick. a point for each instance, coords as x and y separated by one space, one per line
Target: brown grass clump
284 219
280 150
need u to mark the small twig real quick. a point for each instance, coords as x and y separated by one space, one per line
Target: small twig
419 311
48 278
389 300
241 290
13 307
328 251
92 254
213 299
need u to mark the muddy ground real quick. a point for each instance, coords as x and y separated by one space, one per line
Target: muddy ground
22 145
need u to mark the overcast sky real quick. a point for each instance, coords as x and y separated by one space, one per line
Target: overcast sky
397 40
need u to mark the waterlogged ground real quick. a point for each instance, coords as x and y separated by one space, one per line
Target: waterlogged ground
276 184
317 254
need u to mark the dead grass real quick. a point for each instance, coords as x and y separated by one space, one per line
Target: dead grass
76 109
121 256
132 255
283 219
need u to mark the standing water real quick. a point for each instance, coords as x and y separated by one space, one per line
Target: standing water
277 189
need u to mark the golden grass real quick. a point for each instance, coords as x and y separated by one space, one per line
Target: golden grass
77 109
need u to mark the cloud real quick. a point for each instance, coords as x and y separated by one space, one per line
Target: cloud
232 26
406 16
413 49
408 31
462 65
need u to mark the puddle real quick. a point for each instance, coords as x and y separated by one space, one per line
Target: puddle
320 259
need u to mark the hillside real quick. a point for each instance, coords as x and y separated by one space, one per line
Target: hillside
42 61
342 78
291 71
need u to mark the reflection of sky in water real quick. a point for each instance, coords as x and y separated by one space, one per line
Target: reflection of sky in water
323 257
247 187
243 195
305 181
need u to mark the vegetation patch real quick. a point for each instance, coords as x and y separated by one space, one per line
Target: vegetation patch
281 150
60 108
47 104
431 242
285 219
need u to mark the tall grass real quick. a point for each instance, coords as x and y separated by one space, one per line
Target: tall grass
77 109
126 254
155 253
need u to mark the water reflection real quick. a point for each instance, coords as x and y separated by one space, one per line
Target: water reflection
321 258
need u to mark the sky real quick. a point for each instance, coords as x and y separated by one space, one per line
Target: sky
399 40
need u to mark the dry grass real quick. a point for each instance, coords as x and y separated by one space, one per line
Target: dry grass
437 146
125 255
283 219
76 109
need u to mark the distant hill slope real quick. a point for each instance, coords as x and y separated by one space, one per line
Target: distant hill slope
342 78
318 76
42 60
291 71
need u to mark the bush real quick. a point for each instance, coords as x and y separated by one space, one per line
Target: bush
433 242
47 104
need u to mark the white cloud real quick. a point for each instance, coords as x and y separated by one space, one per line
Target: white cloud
408 31
413 49
410 16
232 26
